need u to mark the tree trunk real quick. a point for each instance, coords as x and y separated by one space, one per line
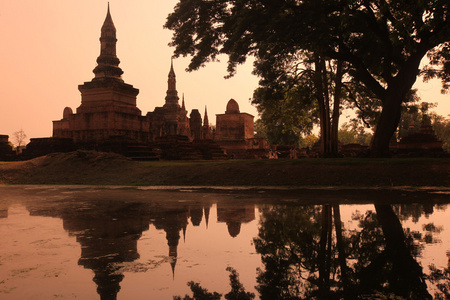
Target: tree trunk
386 126
395 95
323 111
326 97
324 253
406 275
341 250
336 108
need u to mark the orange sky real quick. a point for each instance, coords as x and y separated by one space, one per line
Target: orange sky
49 47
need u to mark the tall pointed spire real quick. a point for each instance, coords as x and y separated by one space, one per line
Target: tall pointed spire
205 118
108 63
172 82
172 94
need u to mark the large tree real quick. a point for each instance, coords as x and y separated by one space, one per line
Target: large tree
305 88
384 41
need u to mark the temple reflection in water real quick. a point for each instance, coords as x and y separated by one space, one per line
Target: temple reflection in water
108 232
326 251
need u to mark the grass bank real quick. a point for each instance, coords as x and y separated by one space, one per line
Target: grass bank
92 168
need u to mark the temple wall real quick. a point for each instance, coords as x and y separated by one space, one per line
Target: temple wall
234 126
61 129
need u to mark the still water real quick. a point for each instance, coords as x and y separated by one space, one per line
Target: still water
141 243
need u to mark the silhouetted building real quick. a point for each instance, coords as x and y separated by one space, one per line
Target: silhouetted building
420 142
108 119
6 150
235 133
170 119
108 108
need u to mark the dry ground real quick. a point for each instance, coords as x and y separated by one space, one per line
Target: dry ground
93 168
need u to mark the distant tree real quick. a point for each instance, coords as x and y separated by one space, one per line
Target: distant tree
351 133
347 136
441 126
383 42
285 114
19 138
260 129
412 117
308 141
298 91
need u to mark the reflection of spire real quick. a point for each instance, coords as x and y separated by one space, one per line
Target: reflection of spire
183 107
107 284
107 62
207 208
196 213
172 222
104 244
172 236
173 253
107 240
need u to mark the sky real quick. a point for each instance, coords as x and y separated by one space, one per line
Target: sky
49 47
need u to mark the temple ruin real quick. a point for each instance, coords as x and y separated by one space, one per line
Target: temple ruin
6 150
108 119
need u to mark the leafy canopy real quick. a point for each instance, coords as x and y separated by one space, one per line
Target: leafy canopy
378 38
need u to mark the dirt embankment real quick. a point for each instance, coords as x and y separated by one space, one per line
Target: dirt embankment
92 168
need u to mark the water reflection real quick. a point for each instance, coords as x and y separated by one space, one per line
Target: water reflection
315 258
305 251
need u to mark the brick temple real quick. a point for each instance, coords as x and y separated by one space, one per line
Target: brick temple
108 119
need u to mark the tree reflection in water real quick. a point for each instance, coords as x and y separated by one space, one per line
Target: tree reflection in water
237 291
306 252
304 258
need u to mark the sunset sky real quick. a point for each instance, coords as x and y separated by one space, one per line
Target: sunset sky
49 47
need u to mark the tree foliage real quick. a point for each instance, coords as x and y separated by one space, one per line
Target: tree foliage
382 41
303 259
237 291
309 87
285 114
351 133
441 126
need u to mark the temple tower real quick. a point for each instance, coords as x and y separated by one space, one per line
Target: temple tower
107 88
172 107
108 110
172 93
234 125
195 123
207 133
108 63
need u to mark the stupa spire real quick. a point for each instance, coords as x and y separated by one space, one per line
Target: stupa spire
107 62
172 94
172 82
205 119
